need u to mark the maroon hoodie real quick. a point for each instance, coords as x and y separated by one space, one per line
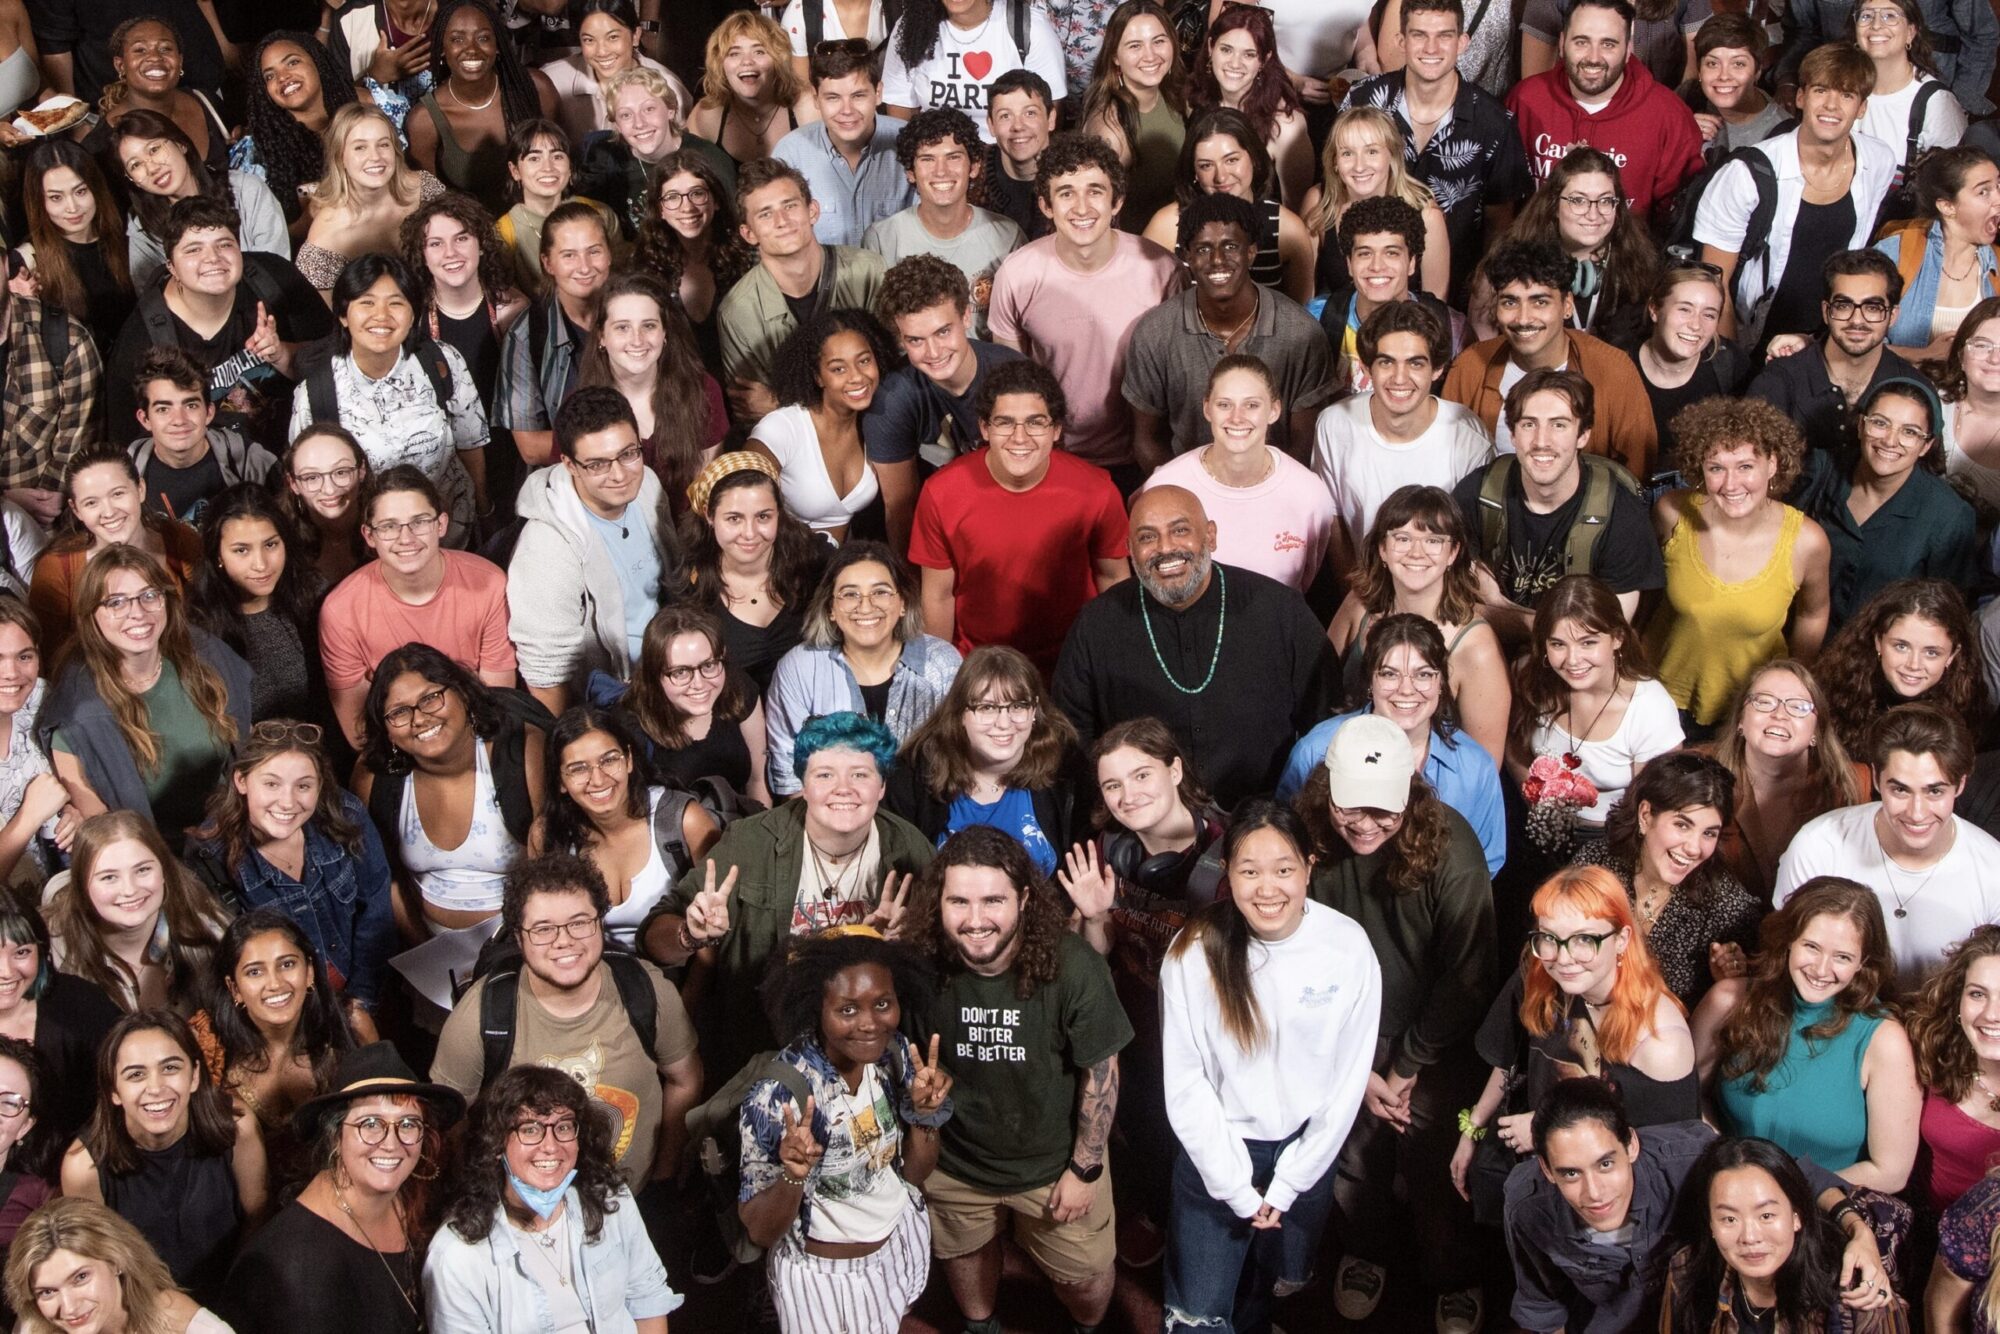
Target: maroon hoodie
1645 129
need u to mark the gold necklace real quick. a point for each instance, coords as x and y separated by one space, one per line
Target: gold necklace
1229 337
340 1201
464 105
1992 1098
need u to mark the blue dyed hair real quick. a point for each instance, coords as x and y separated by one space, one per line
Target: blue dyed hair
844 731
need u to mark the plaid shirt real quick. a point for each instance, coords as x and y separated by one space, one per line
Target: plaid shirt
533 380
46 412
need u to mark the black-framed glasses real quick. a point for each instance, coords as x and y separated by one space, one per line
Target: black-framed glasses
1582 946
694 195
843 46
707 670
405 715
388 530
531 1132
373 1130
1765 702
628 457
1874 309
1014 710
341 477
576 928
281 730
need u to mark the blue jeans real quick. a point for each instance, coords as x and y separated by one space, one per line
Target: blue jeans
1220 1270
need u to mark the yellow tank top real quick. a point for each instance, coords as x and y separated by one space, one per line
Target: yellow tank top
1709 636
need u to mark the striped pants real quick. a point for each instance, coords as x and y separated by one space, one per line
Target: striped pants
869 1295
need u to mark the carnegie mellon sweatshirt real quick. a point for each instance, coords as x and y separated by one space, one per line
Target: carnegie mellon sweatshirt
1644 128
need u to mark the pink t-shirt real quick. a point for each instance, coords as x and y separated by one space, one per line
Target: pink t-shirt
1279 527
1078 325
362 622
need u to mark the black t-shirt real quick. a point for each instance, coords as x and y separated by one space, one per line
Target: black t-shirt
476 341
180 492
1704 383
1821 230
876 699
249 393
802 307
1013 199
1626 557
107 305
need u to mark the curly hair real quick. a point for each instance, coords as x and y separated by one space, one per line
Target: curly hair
470 214
519 98
919 282
941 748
291 153
321 1033
211 1129
1073 151
645 701
34 1152
1224 934
796 555
1226 209
61 285
1946 1062
794 991
680 384
1631 262
565 825
1021 376
550 873
1270 96
1416 850
845 731
1722 422
480 1184
662 250
1428 509
1043 921
1758 1032
1539 694
916 36
938 125
1383 215
795 368
483 710
1850 667
1675 780
214 599
228 822
1107 97
1228 123
1531 263
91 1230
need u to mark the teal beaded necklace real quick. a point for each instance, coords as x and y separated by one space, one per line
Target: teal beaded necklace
1221 624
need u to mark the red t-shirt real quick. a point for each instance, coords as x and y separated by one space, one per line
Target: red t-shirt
1022 558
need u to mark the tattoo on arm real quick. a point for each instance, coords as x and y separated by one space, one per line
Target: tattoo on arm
1096 1106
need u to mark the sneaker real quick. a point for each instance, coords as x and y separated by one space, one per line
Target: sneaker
1461 1312
1357 1288
1140 1243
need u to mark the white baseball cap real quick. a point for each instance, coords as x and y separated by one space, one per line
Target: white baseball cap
1369 765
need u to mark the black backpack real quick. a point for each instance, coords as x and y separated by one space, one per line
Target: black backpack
716 1132
500 965
324 402
159 321
1900 203
1682 248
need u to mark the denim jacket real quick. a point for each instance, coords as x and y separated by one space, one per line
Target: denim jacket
1912 325
484 1288
343 905
812 681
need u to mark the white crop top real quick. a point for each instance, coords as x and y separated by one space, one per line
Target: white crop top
466 878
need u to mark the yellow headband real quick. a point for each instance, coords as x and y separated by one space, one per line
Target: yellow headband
743 460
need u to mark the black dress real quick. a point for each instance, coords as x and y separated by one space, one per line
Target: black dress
302 1275
185 1204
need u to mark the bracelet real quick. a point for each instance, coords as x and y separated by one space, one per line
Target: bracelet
1469 1128
687 940
790 1180
1844 1208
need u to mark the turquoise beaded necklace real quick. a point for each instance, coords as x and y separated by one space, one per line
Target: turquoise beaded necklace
1221 623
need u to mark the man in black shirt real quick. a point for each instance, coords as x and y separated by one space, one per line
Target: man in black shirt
241 317
1553 509
1020 115
184 458
1234 663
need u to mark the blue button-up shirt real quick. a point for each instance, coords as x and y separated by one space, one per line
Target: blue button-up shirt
850 199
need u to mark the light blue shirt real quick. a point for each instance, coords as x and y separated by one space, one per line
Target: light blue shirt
1013 813
1459 771
850 199
637 561
1912 326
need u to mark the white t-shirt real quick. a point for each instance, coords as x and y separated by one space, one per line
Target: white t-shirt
1651 726
965 62
1280 527
1941 904
1886 117
804 485
794 24
1316 37
1361 469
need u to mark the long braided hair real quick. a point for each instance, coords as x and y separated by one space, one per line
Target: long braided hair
291 153
518 98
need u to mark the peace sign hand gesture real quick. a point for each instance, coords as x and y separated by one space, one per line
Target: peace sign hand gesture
1084 879
708 915
930 1086
890 909
799 1151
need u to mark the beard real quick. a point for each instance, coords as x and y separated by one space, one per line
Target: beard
1181 591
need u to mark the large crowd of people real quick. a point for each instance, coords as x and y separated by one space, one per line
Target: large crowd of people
1279 647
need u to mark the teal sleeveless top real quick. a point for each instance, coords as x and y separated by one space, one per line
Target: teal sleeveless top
1812 1102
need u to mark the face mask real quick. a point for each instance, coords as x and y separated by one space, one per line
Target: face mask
543 1202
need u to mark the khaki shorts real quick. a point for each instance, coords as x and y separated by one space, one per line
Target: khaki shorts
965 1218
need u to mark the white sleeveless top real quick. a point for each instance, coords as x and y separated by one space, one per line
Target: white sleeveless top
649 885
466 878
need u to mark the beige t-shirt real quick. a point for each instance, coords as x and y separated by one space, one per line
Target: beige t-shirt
599 1049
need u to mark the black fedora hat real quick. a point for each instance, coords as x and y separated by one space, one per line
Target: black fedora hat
374 1071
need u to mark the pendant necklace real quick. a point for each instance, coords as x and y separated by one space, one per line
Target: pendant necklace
1992 1098
1573 758
1904 900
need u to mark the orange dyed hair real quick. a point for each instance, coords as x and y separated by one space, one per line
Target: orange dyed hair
1593 891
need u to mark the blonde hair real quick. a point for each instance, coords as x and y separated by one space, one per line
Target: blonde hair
334 189
785 86
653 82
86 1228
1333 195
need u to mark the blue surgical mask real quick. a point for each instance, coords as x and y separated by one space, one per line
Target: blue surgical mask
543 1202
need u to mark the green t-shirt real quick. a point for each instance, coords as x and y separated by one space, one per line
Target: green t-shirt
1017 1066
191 759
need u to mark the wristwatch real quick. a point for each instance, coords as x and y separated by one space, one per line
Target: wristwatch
1087 1175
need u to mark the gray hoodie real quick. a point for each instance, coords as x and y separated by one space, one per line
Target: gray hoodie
242 460
565 605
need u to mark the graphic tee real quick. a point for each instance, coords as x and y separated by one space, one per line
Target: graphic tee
964 63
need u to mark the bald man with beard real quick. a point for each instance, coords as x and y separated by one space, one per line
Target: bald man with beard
1233 662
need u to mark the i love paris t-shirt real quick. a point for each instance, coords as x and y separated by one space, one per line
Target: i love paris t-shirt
965 62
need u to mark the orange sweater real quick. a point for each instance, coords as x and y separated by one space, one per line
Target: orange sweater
1624 427
52 594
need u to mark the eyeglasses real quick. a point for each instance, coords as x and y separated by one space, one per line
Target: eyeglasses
372 1130
707 671
1878 18
531 1132
1981 349
1425 679
12 1107
850 599
405 715
390 529
341 478
610 765
1036 426
693 197
147 599
1582 947
1877 424
576 928
280 730
1015 711
1874 309
1765 702
1584 204
846 46
624 458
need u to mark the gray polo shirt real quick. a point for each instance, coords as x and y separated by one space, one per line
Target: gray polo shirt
849 198
1171 354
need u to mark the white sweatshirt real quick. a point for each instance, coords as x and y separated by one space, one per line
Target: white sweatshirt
1319 995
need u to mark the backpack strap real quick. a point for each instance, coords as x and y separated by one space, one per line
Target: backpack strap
159 321
814 14
1493 506
1601 479
431 357
1018 26
498 999
1919 108
55 342
669 835
322 400
642 1003
262 285
385 805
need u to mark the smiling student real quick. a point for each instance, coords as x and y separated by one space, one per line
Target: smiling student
184 458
